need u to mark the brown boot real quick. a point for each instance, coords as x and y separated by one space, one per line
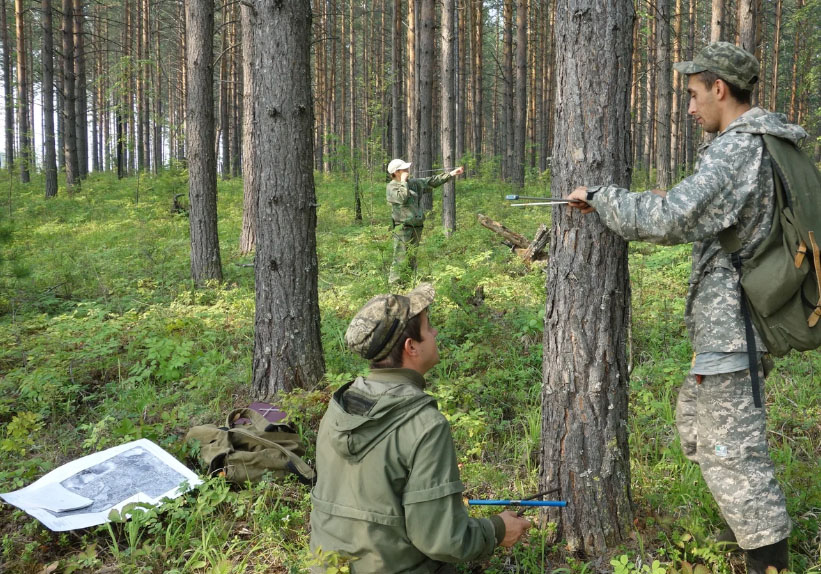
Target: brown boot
776 555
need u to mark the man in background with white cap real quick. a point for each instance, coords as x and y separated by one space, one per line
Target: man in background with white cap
388 495
405 198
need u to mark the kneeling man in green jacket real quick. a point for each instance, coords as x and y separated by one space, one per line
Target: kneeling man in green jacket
388 494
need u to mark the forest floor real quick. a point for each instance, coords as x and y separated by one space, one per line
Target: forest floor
104 340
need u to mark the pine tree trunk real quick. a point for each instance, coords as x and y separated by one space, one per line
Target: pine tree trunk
8 103
520 103
424 160
81 89
689 126
224 136
23 125
794 86
585 380
477 119
507 105
250 189
199 138
675 114
650 95
746 24
448 109
69 98
397 107
236 103
717 21
664 93
50 156
287 343
776 50
354 155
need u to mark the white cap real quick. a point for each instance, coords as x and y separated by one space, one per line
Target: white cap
397 164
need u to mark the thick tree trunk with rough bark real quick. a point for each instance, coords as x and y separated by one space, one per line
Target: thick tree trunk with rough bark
247 238
199 138
287 343
585 381
50 155
448 112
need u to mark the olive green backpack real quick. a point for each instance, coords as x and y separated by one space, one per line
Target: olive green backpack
781 281
246 452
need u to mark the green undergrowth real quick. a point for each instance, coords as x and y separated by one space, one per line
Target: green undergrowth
103 339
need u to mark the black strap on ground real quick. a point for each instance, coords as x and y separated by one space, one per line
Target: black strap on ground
752 355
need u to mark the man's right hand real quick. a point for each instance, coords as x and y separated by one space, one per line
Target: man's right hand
404 176
515 527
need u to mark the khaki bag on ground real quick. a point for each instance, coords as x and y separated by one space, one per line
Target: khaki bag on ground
246 452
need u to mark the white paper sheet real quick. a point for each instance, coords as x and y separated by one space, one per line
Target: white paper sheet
81 493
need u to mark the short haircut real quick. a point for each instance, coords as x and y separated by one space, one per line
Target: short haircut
413 330
709 78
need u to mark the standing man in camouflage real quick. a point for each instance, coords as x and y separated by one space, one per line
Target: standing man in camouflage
405 198
388 495
720 427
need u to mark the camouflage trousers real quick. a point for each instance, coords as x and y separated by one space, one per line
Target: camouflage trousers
725 434
405 241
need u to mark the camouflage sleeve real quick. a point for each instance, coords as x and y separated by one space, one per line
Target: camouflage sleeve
434 181
436 519
697 208
398 193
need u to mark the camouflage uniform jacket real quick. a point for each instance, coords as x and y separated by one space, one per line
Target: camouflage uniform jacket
388 492
405 198
732 185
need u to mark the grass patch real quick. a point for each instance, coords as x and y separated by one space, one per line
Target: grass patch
103 339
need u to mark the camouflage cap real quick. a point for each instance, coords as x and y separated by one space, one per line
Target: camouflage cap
732 64
377 326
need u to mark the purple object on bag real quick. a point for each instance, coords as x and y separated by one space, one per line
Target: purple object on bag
271 413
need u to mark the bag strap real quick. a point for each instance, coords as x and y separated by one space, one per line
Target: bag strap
297 465
816 259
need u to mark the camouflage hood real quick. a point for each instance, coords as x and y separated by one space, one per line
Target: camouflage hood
364 412
760 122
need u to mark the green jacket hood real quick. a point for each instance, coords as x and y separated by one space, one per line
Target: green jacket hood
758 121
366 410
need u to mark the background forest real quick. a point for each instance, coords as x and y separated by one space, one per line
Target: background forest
150 164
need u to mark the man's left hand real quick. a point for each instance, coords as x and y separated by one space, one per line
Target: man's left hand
578 200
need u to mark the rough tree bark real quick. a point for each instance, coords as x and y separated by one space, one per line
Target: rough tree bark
247 238
585 382
199 138
23 118
287 343
520 103
448 112
81 89
717 21
477 36
663 94
397 107
7 87
50 156
69 97
424 159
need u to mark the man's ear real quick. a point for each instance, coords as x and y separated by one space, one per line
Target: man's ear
720 89
410 347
